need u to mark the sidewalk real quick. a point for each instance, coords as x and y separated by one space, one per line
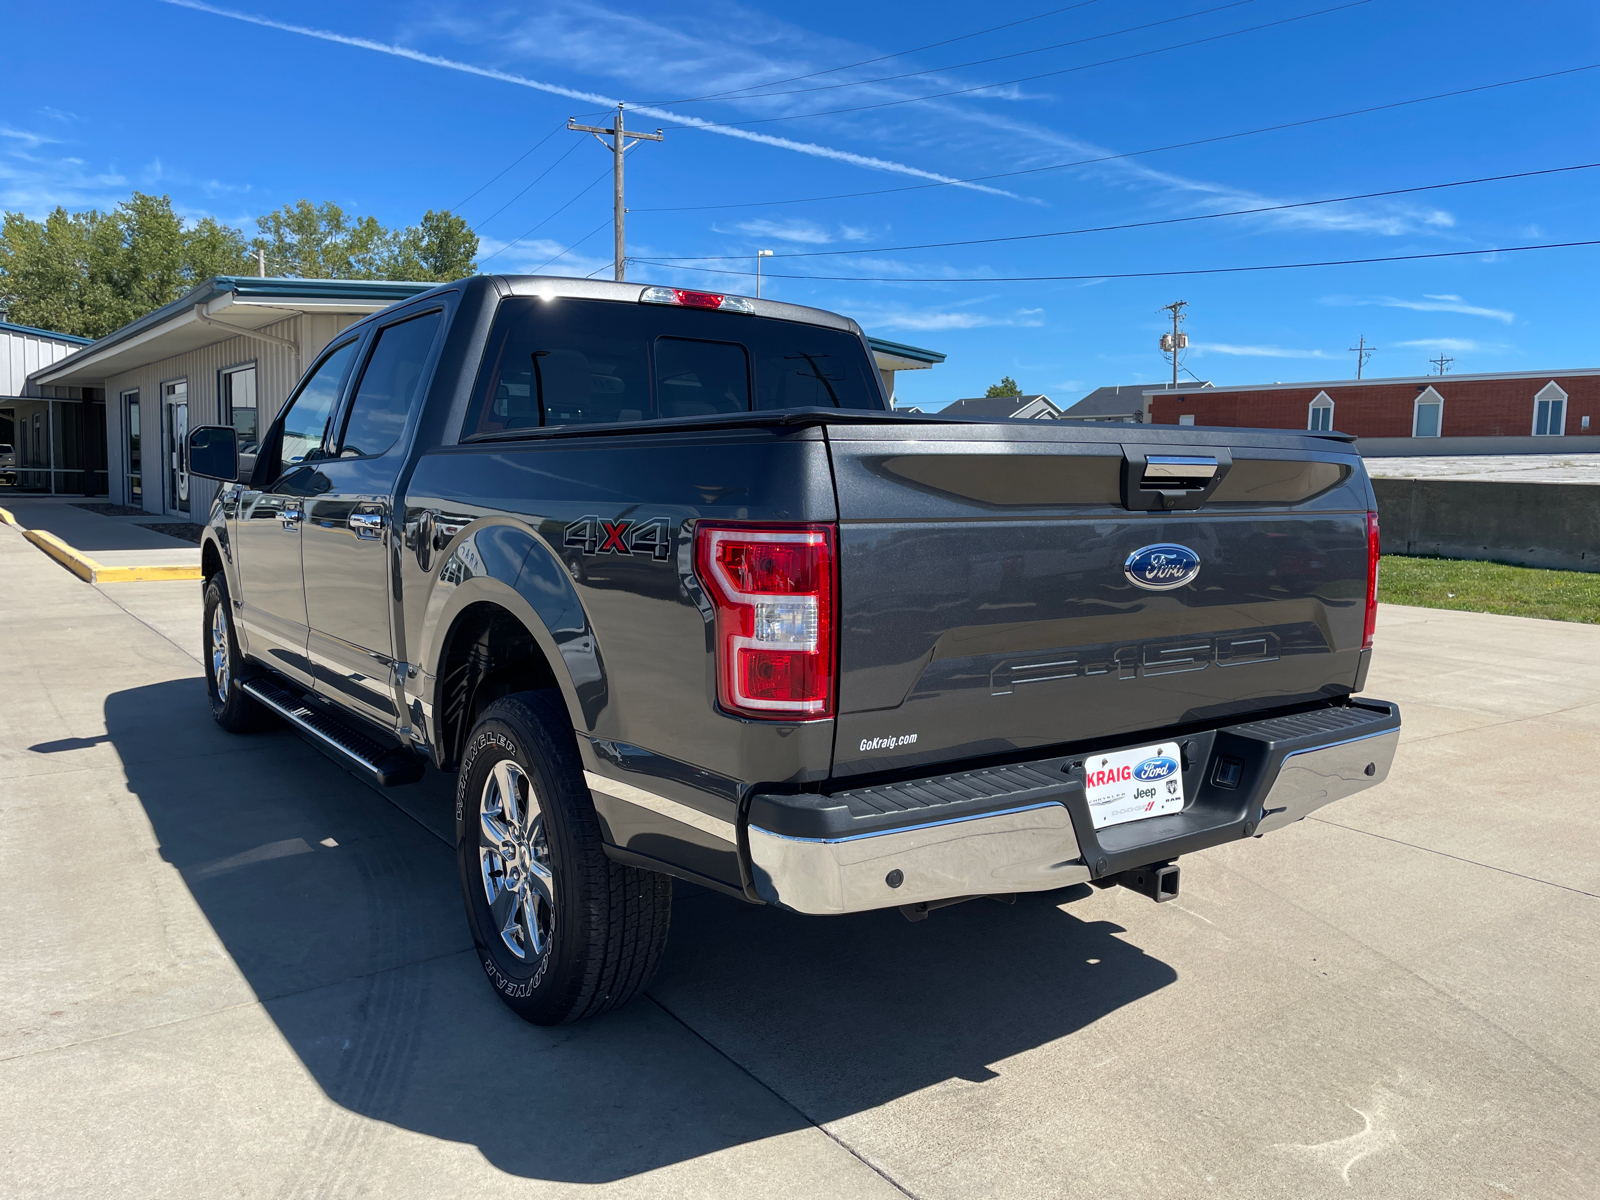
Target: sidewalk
118 542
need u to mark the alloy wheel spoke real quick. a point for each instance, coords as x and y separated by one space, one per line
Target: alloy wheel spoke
493 833
507 910
506 775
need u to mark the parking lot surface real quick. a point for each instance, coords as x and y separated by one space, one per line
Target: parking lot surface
233 969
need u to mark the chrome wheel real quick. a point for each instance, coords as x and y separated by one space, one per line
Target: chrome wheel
219 652
515 860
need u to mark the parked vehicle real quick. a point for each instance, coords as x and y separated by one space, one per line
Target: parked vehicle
8 465
665 582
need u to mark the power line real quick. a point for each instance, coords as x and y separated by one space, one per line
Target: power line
1338 262
518 159
1238 212
1189 16
1216 37
572 247
1104 158
866 62
525 190
548 219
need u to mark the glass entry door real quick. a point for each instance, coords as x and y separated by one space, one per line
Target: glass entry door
131 455
175 403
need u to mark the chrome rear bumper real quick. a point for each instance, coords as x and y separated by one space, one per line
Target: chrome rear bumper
1039 844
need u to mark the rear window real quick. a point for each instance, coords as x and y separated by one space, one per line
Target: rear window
585 362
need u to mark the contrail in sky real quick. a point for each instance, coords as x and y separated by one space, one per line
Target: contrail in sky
433 60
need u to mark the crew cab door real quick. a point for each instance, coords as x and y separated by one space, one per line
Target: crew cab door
348 536
271 604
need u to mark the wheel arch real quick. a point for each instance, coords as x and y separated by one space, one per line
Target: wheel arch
516 626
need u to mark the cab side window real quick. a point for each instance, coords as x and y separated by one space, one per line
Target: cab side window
388 386
305 425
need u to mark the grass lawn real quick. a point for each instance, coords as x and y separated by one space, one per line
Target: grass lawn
1490 587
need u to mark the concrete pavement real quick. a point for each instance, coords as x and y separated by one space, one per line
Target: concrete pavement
234 969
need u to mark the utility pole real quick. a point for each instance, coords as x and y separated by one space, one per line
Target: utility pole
1442 362
1173 342
760 254
618 146
1362 351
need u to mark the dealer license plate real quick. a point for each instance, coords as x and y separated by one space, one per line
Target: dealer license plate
1131 785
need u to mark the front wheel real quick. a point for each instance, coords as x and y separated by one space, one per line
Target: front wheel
231 707
562 931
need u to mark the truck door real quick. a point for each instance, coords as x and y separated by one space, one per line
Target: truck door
348 537
271 605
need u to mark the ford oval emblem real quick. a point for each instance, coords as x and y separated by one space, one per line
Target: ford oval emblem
1152 770
1162 567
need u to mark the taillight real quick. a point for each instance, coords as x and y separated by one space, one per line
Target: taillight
772 587
684 298
1372 581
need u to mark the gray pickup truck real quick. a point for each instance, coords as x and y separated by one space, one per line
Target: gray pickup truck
664 580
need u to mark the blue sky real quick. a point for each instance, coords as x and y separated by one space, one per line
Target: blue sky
400 107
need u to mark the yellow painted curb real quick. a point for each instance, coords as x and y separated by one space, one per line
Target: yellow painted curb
6 518
86 568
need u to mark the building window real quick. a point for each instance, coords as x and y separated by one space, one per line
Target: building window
1427 416
1550 411
1320 415
131 459
239 405
1186 419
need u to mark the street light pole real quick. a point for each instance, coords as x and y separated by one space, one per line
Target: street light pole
760 254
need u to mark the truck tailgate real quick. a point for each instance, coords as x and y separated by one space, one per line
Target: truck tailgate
986 608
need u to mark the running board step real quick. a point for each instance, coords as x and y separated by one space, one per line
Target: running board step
389 766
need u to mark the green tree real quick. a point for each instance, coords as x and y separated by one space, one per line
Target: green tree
90 272
1006 387
319 241
443 247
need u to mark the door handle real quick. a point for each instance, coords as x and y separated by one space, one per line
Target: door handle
291 517
368 523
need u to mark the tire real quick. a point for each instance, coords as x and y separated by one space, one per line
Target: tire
231 707
562 931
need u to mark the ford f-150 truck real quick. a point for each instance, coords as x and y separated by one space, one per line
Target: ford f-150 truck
666 582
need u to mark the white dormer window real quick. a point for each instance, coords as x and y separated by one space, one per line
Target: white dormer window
1320 415
1427 414
1550 411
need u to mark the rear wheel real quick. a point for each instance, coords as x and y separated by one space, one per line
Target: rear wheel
231 707
562 931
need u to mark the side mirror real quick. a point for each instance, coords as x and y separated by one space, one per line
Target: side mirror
214 452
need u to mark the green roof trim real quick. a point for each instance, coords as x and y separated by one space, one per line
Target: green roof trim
901 350
8 327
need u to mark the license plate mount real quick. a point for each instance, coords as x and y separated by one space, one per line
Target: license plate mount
1133 785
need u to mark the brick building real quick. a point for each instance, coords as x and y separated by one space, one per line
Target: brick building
1521 404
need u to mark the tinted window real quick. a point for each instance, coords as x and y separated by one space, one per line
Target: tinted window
306 423
564 362
389 384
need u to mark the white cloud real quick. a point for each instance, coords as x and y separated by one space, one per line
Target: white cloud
1444 344
1256 351
543 33
806 233
1429 303
29 139
928 320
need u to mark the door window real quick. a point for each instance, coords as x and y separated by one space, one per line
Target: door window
130 405
388 386
175 400
305 425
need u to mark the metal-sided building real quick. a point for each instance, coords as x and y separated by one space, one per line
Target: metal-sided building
48 437
227 353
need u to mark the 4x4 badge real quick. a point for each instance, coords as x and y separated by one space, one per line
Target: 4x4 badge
597 535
